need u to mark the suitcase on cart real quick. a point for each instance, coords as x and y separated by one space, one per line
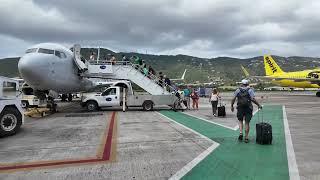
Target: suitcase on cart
263 132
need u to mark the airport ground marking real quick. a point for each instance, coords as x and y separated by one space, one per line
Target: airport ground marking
292 163
233 160
212 122
184 170
105 156
234 128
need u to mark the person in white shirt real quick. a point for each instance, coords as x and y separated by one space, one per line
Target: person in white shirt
214 98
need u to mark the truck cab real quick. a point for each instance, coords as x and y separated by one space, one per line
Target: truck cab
11 113
110 97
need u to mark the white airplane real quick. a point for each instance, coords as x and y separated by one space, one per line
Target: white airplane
49 66
182 77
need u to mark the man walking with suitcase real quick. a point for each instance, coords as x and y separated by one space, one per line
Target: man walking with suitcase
245 97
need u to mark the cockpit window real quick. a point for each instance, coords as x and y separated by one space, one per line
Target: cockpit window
57 53
63 55
60 54
46 51
32 50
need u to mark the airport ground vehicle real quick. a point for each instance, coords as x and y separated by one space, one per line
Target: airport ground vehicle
11 113
121 92
28 99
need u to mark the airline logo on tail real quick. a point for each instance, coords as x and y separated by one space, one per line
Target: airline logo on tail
274 69
271 66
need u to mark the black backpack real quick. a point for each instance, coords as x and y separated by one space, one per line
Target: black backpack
244 99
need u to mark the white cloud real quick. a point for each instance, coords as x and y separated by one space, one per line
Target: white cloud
12 47
202 28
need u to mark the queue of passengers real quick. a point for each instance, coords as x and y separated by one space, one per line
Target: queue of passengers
140 64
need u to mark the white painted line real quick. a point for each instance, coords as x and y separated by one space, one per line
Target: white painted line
184 170
234 128
205 137
292 163
209 121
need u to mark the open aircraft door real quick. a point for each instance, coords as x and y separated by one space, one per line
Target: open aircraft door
77 58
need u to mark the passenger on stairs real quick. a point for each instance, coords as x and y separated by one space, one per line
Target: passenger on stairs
151 70
145 70
92 56
139 61
160 79
125 60
113 59
135 61
167 82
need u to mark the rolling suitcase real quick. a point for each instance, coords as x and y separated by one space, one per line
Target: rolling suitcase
263 132
221 110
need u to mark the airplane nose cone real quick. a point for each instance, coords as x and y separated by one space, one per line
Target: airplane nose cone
27 67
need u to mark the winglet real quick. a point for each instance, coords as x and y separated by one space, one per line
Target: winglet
183 75
246 73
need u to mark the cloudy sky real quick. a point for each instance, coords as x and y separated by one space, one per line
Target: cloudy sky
203 28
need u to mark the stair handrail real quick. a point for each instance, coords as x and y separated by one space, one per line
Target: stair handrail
136 66
153 77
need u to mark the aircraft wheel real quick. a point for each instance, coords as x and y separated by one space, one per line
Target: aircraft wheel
92 106
10 121
63 97
318 94
70 97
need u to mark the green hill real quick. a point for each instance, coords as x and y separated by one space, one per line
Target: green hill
9 67
199 69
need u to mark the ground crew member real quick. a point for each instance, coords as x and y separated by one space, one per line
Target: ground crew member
244 95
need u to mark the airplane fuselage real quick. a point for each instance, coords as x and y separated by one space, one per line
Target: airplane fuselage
51 67
289 82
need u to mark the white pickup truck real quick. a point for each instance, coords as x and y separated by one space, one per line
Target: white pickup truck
114 97
11 113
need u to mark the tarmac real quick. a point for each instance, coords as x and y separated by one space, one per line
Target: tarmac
162 144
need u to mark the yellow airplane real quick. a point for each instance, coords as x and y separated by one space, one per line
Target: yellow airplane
300 79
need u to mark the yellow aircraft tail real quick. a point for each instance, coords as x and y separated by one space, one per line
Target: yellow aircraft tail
246 73
270 66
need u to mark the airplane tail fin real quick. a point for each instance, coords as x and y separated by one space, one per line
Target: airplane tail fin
184 74
270 66
246 73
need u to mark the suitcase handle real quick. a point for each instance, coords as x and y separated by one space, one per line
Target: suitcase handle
261 115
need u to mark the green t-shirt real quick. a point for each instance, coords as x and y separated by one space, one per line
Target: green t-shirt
186 92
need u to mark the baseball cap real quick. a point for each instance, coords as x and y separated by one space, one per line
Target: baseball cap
245 82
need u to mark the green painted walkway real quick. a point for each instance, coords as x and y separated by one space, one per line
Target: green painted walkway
237 160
